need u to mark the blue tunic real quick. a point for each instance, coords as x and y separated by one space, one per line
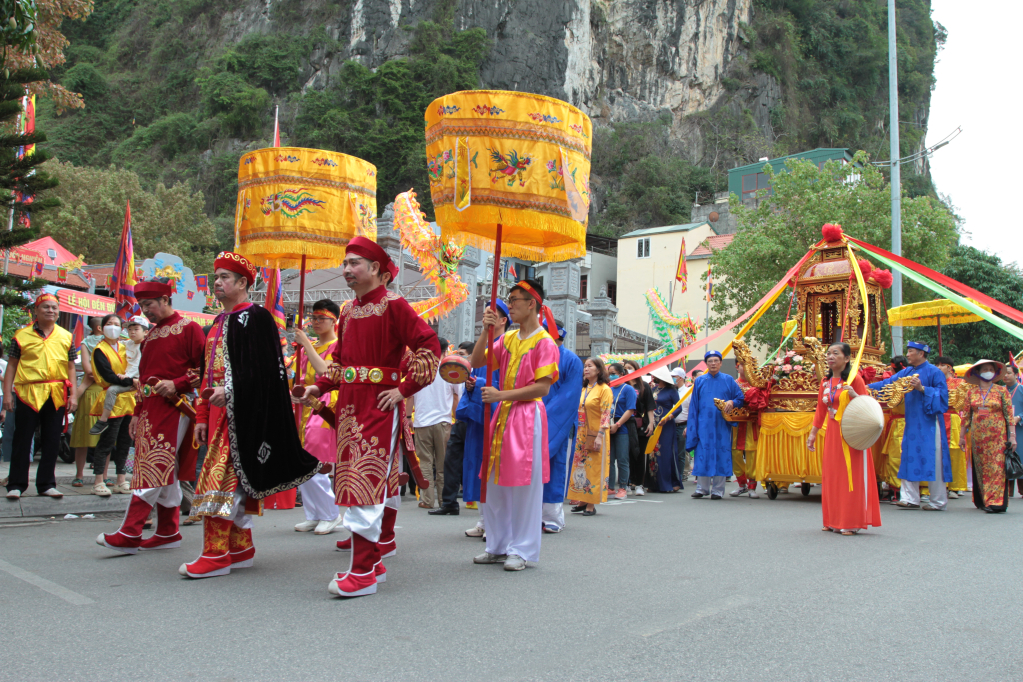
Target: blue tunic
707 432
925 412
470 411
562 405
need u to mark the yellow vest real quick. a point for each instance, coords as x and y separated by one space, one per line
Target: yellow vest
125 404
42 369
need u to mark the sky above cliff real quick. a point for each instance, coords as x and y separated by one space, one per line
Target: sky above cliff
975 90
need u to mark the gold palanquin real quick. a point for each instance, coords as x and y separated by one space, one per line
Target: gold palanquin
512 159
295 202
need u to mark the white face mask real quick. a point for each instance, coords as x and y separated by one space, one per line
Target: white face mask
112 332
987 376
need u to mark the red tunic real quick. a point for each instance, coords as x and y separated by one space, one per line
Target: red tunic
844 509
171 350
373 333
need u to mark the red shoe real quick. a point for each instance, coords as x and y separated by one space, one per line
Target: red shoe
128 537
379 570
362 578
386 545
241 548
167 535
354 585
215 559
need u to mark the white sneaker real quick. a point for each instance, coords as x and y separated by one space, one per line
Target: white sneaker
514 563
326 527
475 532
753 494
306 526
953 495
639 491
52 492
14 495
738 491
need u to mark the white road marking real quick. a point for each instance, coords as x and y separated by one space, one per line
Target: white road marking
726 604
45 585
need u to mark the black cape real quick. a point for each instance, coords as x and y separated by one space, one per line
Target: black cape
265 447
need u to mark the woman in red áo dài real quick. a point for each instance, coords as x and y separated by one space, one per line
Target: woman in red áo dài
846 509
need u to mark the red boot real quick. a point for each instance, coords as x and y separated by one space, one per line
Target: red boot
344 545
215 558
361 579
128 537
166 535
387 546
379 570
241 548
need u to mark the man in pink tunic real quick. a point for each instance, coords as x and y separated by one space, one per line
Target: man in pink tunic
519 466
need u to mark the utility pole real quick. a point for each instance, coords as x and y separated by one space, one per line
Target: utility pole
896 178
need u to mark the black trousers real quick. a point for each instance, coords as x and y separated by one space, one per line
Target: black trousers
115 443
51 423
453 465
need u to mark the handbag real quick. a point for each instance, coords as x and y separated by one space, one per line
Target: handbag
1013 466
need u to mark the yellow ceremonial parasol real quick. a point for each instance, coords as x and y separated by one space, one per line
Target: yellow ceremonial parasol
509 171
932 313
299 208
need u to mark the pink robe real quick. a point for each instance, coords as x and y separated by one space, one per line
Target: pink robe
522 362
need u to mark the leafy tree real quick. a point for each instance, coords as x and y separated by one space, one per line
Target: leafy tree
42 45
773 236
171 220
970 342
378 115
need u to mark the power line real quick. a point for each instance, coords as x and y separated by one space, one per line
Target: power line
924 152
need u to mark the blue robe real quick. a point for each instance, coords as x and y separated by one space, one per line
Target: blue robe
707 432
470 411
1016 393
925 412
562 405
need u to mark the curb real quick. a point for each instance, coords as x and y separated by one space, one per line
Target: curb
70 504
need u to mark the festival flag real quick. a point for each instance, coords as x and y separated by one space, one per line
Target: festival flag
682 272
1015 367
202 283
190 294
710 284
123 278
174 286
39 268
78 324
511 271
274 301
277 128
61 274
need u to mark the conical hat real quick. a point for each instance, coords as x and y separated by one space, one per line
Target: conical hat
862 422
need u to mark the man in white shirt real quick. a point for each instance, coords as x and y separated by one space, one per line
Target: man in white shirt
679 375
431 426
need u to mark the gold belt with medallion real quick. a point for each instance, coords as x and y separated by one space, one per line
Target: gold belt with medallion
388 376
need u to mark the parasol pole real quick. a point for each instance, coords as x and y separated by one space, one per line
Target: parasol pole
939 336
490 370
298 351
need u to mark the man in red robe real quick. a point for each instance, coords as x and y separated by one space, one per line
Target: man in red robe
244 413
164 455
374 332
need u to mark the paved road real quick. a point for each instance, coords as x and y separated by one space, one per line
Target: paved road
665 588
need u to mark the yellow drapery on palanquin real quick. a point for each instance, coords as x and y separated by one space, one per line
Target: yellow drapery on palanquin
295 202
781 447
927 314
513 159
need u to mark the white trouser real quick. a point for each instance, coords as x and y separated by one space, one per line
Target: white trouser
513 513
712 485
238 515
367 519
554 514
318 499
481 524
910 493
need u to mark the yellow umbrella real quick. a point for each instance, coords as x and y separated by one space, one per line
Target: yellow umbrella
509 171
932 313
299 208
